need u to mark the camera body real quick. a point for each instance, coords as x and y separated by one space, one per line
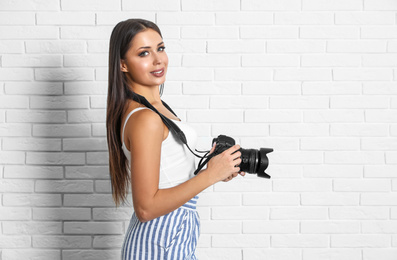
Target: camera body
252 160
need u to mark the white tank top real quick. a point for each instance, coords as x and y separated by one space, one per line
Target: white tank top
177 163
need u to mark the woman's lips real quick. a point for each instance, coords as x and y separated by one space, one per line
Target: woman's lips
158 73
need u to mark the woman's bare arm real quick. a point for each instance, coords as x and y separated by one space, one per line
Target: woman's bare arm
145 135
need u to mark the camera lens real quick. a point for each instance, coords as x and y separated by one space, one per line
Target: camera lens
255 161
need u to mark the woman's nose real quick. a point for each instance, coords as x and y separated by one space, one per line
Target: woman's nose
156 59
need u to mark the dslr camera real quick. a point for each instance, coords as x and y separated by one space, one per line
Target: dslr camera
252 160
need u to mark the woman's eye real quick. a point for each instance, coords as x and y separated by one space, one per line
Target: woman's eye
144 53
162 48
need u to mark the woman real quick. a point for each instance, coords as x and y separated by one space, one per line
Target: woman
145 154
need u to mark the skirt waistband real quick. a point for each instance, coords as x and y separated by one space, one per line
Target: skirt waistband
191 204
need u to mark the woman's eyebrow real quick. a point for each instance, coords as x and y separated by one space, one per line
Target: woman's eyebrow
148 47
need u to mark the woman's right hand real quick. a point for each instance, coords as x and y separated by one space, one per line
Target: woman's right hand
225 165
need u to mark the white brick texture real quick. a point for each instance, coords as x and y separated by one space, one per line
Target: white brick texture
314 79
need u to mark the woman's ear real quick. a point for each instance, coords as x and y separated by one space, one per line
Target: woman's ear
123 66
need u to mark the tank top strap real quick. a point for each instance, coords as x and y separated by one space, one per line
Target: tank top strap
128 117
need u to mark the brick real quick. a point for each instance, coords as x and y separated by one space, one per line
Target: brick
67 186
381 116
273 5
15 213
380 171
55 158
32 228
269 32
379 227
31 144
235 46
331 88
66 18
243 74
150 5
218 253
303 18
359 130
237 129
33 88
12 157
213 32
270 60
207 5
238 102
211 88
299 241
186 46
298 129
74 5
210 60
360 241
242 240
81 200
239 213
76 60
12 46
271 88
243 18
63 102
62 130
55 46
181 74
385 5
28 32
363 102
359 213
379 253
98 130
271 253
332 171
303 74
59 214
102 254
220 227
84 144
379 144
85 88
62 241
31 254
112 18
10 102
186 18
15 130
270 227
296 46
299 102
379 60
329 199
304 185
15 241
17 186
215 116
30 5
334 116
32 200
33 172
337 5
298 213
378 32
379 199
332 254
330 227
17 18
329 32
16 74
356 46
98 102
64 74
99 158
354 157
271 199
107 228
87 116
331 60
86 32
14 116
362 185
364 18
391 46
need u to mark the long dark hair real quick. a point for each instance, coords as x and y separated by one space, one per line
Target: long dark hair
118 95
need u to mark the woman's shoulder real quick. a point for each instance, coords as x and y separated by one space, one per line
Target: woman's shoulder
143 118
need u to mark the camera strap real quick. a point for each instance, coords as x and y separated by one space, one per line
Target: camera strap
168 122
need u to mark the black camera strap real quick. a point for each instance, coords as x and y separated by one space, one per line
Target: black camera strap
168 122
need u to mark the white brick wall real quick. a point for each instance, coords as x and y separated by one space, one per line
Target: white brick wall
314 79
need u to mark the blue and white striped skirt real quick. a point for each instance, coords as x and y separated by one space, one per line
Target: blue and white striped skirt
173 236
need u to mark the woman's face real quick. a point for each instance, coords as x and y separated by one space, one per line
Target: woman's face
146 61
